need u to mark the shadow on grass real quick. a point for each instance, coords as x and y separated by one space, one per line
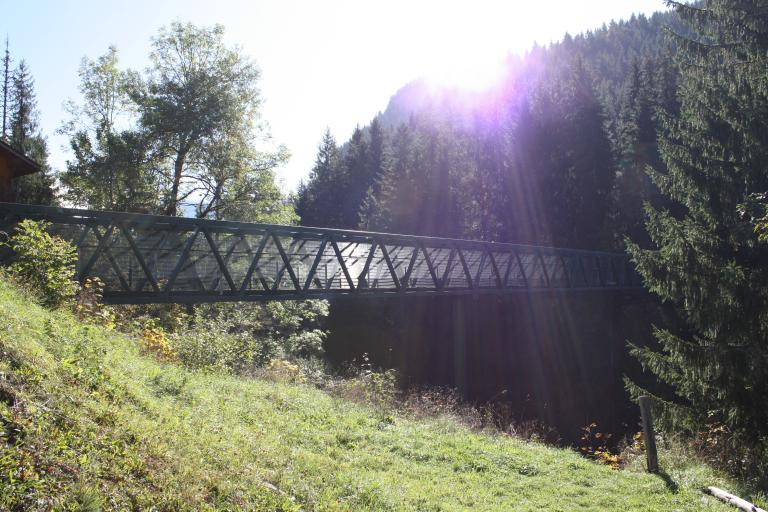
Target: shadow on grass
671 484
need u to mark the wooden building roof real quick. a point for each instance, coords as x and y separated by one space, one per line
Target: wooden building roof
16 162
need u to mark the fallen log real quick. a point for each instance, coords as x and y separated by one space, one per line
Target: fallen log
734 500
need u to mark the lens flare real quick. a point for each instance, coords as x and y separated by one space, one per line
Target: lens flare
462 70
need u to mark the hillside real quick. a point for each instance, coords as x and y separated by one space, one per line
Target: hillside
92 424
608 52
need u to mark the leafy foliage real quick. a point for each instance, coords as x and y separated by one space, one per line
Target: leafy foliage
89 306
110 169
198 111
155 341
44 262
182 137
594 445
242 337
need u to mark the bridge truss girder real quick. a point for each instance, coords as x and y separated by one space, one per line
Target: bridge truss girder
155 259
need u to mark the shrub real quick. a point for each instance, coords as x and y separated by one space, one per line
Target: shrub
364 383
594 445
718 446
155 340
131 318
88 305
216 348
303 344
295 326
280 370
44 263
240 338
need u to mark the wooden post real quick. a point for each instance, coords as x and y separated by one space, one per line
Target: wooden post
650 437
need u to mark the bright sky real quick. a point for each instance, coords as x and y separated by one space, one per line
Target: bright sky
324 63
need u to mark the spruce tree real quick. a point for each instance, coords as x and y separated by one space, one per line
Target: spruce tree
25 136
354 180
6 84
23 115
571 159
379 161
319 201
635 148
437 167
396 199
706 258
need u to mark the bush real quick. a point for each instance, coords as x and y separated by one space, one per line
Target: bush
223 337
155 340
88 305
216 349
280 370
240 338
44 263
364 383
295 327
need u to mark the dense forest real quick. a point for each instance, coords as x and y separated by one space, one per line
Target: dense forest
646 136
557 154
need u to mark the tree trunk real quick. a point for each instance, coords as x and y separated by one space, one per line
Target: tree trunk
178 167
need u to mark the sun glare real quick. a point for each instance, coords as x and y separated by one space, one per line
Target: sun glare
471 63
471 76
459 47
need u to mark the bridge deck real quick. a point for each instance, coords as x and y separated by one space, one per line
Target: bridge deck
149 258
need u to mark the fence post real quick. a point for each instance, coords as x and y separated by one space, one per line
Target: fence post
649 435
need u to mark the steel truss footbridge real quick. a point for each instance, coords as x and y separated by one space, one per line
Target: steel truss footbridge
156 259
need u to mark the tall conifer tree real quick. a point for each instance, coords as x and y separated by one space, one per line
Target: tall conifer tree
707 260
635 149
355 180
396 202
6 84
378 167
318 202
25 136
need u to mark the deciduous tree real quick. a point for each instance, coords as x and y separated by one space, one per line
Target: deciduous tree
110 169
198 107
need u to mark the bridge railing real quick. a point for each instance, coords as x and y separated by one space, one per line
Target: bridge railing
150 258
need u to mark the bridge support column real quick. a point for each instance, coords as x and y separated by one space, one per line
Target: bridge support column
459 336
616 347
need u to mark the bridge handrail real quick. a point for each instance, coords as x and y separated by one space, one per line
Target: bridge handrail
65 215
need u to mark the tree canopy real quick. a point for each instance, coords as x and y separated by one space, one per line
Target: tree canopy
182 137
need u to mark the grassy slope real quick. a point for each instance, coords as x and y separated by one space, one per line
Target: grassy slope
85 415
